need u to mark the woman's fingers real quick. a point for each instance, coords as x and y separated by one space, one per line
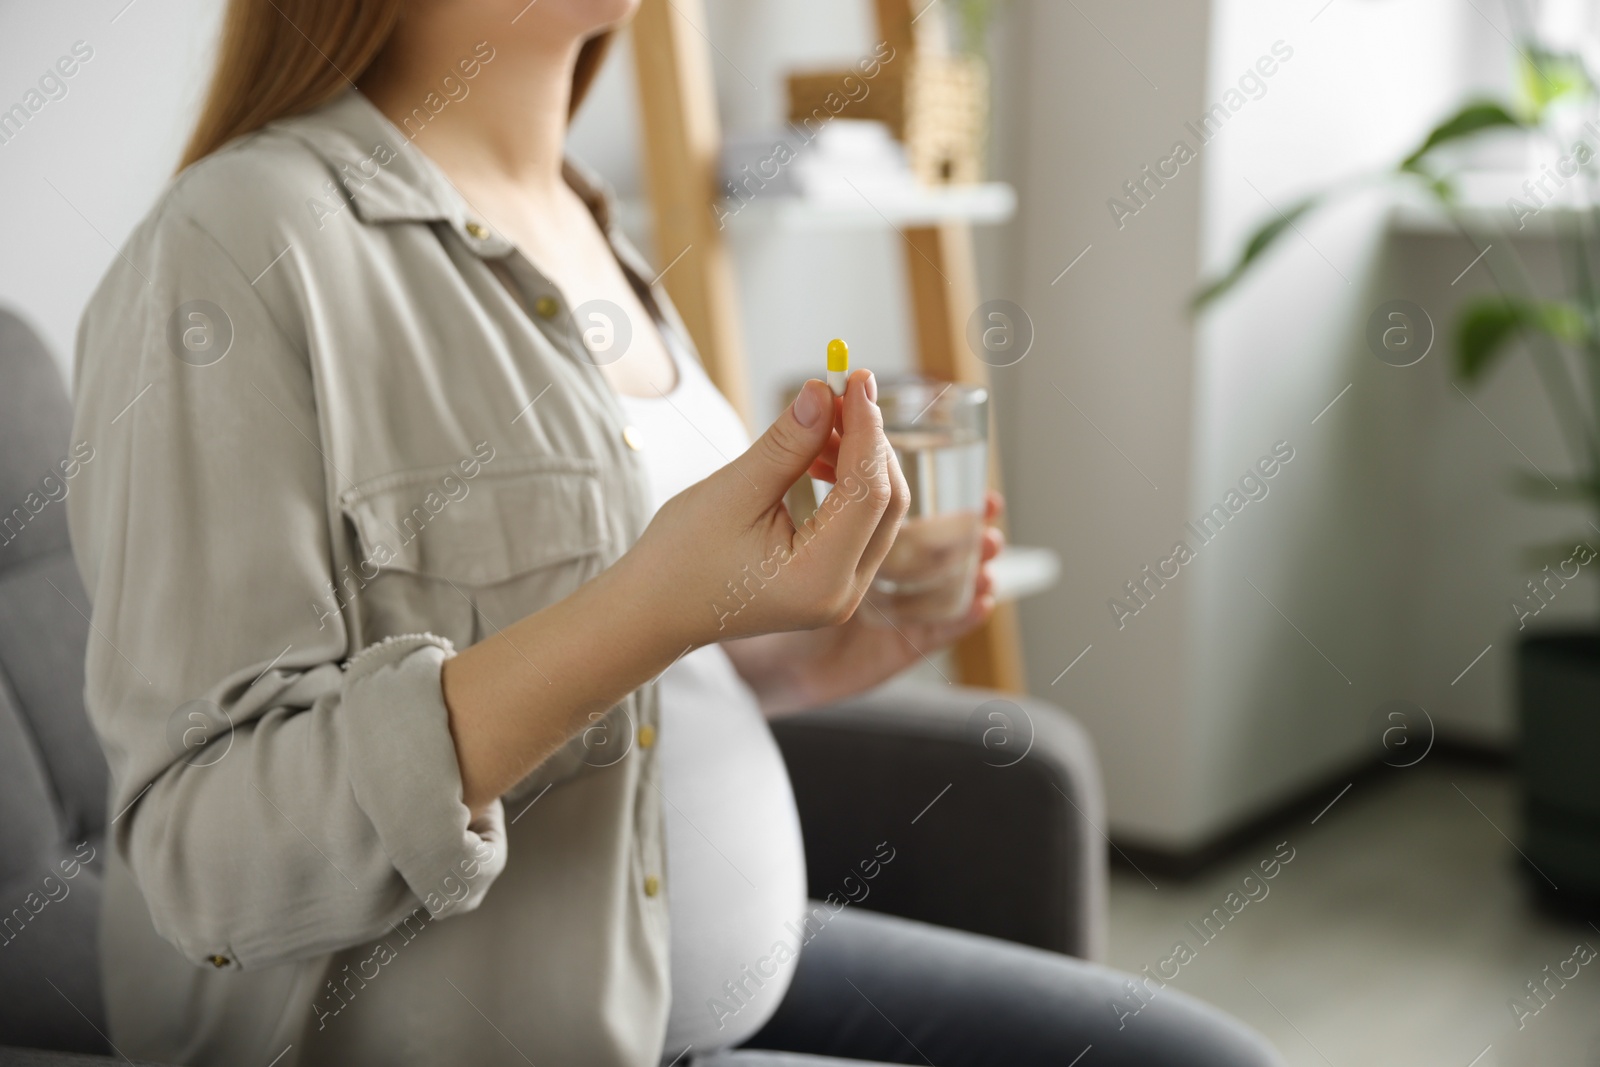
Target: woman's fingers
868 488
982 608
888 527
827 464
993 542
838 549
899 495
927 637
786 451
830 451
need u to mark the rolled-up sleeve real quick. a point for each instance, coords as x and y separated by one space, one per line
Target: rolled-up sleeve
278 793
393 712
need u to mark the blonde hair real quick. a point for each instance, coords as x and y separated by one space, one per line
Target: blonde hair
285 57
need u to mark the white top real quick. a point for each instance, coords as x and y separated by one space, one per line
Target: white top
735 861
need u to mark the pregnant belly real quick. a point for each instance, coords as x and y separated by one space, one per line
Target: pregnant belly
736 882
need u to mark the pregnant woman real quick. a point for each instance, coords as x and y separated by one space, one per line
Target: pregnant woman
433 741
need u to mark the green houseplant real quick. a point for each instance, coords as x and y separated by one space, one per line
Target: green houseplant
1558 671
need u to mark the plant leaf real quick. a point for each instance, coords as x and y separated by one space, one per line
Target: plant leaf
1259 242
1545 77
1481 335
1487 325
1474 118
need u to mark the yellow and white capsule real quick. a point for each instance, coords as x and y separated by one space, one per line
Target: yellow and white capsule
838 366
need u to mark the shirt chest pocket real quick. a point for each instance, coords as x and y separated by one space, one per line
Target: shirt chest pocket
463 557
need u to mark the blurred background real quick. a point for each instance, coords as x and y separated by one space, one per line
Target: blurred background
1343 675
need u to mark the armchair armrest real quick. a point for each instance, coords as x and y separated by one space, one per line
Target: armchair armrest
991 801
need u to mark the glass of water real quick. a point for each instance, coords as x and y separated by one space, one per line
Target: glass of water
940 433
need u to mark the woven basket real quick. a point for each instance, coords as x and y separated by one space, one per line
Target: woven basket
935 105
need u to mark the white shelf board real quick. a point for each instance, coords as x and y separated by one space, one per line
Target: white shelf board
1484 219
1483 209
1021 571
986 203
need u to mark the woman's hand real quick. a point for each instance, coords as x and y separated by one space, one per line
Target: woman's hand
791 672
720 560
723 560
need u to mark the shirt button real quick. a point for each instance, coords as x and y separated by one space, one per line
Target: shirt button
647 735
652 885
633 438
478 230
220 961
546 307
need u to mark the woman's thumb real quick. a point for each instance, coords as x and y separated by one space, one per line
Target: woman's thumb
785 452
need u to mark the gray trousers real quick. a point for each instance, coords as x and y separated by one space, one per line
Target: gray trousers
876 989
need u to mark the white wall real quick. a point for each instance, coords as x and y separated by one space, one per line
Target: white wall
108 146
1113 336
1393 544
1211 705
1330 547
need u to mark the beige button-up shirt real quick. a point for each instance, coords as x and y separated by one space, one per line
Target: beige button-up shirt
341 427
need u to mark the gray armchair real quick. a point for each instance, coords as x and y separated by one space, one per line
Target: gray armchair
992 803
52 776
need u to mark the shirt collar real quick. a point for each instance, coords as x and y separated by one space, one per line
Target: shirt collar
389 179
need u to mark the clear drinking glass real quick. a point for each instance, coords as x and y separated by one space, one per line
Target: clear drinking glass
940 433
